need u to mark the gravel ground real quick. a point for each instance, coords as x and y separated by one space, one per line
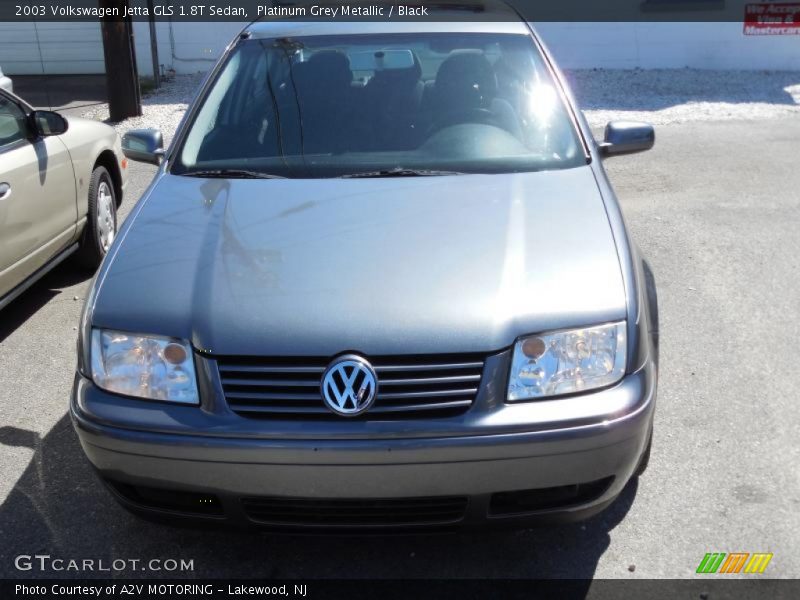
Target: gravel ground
660 96
163 108
664 96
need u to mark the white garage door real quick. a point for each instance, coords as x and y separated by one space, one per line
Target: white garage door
51 48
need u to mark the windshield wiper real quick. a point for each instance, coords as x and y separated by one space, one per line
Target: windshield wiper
401 173
232 174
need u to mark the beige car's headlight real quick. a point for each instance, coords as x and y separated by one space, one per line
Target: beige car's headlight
152 367
564 362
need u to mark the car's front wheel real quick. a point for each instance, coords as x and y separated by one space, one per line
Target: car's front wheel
101 224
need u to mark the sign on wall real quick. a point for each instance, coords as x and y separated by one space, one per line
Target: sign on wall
772 19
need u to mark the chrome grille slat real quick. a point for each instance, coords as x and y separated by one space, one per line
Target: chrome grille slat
428 394
422 407
321 410
259 369
255 408
429 380
289 387
431 367
268 396
271 382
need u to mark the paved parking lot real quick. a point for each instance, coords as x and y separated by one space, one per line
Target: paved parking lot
716 209
71 94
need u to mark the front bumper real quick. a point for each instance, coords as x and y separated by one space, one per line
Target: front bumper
478 468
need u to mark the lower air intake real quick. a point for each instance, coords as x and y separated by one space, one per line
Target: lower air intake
531 501
355 512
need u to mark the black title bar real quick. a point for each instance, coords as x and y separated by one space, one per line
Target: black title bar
710 587
768 13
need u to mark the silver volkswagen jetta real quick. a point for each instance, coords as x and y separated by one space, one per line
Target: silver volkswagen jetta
380 281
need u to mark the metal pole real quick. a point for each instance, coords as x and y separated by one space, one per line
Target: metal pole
122 80
154 44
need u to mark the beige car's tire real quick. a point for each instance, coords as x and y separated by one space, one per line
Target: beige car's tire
101 223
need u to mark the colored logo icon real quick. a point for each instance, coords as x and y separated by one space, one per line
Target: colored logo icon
735 562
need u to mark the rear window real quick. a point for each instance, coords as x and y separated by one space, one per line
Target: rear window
327 106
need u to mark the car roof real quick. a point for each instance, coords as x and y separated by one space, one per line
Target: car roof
271 29
457 16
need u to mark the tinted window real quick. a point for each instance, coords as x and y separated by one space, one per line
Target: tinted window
331 106
12 122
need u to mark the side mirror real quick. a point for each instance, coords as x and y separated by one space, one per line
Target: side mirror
626 137
46 123
144 145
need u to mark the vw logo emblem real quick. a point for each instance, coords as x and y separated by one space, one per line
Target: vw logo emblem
349 386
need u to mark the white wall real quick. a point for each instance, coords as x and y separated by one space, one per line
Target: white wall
668 46
192 47
28 48
575 46
77 48
185 47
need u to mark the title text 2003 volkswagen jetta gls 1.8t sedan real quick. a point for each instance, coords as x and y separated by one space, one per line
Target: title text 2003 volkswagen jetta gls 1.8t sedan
379 281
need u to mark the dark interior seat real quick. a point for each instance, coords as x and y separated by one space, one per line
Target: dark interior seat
465 91
327 100
393 98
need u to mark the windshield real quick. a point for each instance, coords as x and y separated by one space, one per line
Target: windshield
425 104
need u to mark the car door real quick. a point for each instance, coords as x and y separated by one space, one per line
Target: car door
38 208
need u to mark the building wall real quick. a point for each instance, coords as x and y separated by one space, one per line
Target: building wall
575 46
185 47
191 47
28 48
668 46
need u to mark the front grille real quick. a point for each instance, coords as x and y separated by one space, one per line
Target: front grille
355 512
408 386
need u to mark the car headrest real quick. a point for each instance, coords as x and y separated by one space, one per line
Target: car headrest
329 68
410 75
467 77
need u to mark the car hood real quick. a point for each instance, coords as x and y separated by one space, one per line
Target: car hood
378 266
83 131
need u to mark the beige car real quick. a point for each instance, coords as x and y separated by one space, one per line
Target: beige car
61 182
5 82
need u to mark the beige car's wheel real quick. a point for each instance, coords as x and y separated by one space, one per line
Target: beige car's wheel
101 224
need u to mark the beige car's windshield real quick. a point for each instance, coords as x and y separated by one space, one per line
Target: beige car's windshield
329 106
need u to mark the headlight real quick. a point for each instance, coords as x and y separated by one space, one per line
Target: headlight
563 362
153 367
